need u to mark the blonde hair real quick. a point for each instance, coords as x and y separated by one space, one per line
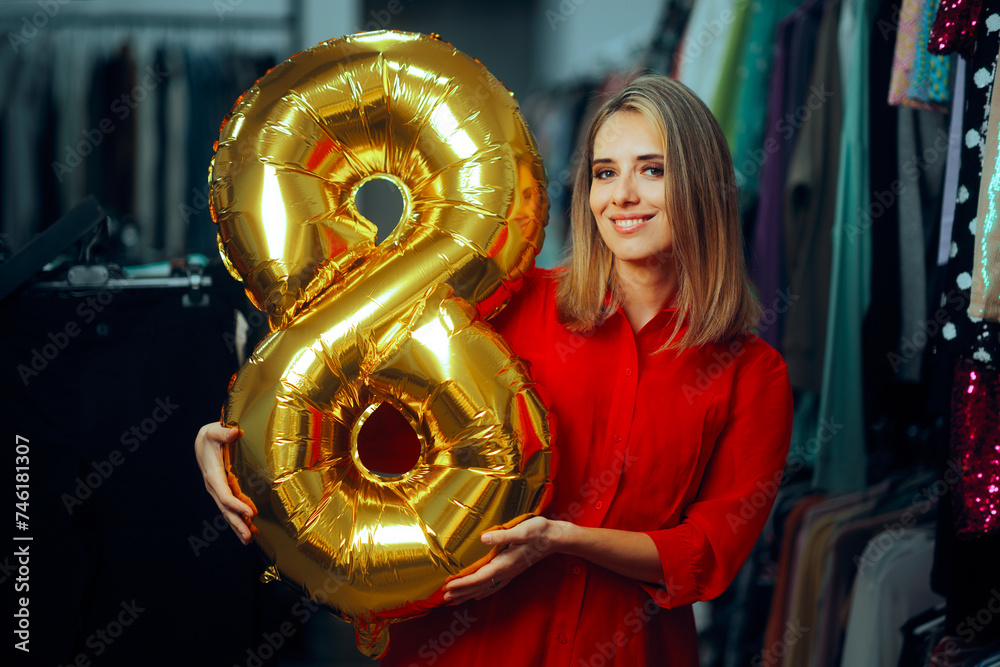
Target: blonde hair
713 294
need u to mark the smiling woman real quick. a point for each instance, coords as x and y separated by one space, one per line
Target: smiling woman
654 461
671 415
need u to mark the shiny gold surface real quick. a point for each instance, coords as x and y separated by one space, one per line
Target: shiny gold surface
359 321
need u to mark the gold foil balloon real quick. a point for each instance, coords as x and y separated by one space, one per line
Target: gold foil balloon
384 425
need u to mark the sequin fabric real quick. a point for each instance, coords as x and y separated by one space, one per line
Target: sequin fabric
975 448
954 29
985 295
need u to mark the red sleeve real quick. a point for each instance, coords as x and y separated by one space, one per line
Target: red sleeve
702 555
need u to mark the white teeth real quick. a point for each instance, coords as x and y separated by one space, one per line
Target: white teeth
629 223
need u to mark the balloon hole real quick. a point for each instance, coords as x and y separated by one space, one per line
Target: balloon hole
387 445
380 201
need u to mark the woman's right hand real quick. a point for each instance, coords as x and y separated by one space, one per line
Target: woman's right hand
208 449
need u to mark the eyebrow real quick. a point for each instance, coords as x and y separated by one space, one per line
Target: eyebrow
641 158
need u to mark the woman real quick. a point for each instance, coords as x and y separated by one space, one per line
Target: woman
674 420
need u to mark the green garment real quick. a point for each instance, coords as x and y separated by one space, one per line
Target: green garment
841 464
740 103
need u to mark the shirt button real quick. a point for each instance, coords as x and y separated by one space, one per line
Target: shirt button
598 504
628 371
618 437
562 638
577 569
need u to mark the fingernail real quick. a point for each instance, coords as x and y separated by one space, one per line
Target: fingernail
487 538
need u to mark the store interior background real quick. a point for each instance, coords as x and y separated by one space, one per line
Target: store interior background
146 534
131 562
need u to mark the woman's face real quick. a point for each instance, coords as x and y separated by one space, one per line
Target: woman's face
627 193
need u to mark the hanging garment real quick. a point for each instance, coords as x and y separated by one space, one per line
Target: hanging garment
662 52
813 564
955 27
975 445
752 592
950 193
777 618
706 38
846 546
931 77
794 51
885 595
985 299
742 113
913 69
923 143
880 333
809 210
963 334
841 463
110 387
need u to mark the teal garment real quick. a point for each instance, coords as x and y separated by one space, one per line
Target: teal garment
842 461
742 118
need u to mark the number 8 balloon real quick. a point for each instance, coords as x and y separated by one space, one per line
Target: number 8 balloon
367 337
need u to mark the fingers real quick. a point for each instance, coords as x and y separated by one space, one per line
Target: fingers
208 449
522 533
486 580
234 515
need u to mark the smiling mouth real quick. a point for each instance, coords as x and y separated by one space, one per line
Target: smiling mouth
630 224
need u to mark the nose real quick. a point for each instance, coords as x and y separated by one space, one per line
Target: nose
624 191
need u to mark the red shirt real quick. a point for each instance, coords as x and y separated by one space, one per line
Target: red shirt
688 447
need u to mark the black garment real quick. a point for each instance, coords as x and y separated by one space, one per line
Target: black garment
966 572
109 389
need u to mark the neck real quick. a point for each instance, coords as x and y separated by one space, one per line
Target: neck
645 289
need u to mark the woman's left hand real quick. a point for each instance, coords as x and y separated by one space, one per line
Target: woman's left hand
523 545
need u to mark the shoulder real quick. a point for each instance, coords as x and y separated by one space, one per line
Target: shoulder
748 359
760 376
760 356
